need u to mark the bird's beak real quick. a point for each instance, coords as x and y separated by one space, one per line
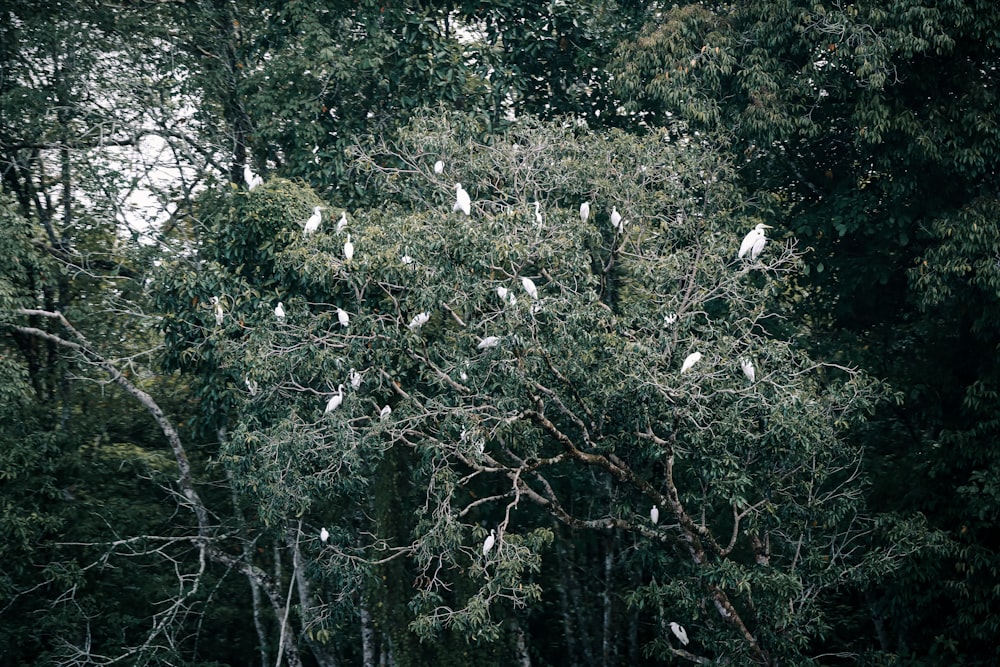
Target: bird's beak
768 227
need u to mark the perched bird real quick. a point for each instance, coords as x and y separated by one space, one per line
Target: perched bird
342 222
585 211
252 386
616 219
344 318
502 293
218 310
538 213
355 379
754 242
252 179
690 361
489 541
348 249
679 632
439 166
335 400
654 515
406 259
462 201
312 224
324 535
488 342
529 286
279 311
419 320
384 413
747 367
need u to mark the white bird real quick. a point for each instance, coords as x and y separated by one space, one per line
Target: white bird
252 179
679 632
252 386
690 361
488 342
335 400
344 318
538 213
529 287
384 413
669 319
406 259
754 241
342 222
654 515
324 535
439 166
348 249
462 201
218 310
616 219
279 311
502 293
585 211
312 224
355 379
419 320
748 370
490 541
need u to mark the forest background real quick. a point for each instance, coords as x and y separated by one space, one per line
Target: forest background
187 478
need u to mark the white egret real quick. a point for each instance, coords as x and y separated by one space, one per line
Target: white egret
654 515
335 400
538 213
312 224
616 219
489 541
324 535
439 166
669 319
348 249
690 361
252 386
679 632
754 242
355 379
252 179
218 310
342 222
488 342
585 211
462 201
419 320
529 286
384 413
279 311
502 293
343 317
406 259
748 370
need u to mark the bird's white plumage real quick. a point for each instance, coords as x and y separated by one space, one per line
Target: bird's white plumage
488 342
324 535
252 386
335 400
616 219
489 541
312 224
502 293
419 320
343 317
279 311
538 213
585 211
529 286
654 514
748 370
406 259
355 378
342 222
439 166
252 179
679 632
384 413
348 249
462 201
218 310
753 242
690 361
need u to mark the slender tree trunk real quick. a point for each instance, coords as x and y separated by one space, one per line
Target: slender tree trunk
606 641
523 657
324 658
563 590
367 634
